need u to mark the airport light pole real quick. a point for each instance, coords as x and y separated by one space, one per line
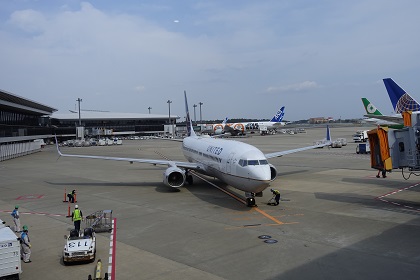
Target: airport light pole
149 109
201 117
195 119
169 105
79 133
80 120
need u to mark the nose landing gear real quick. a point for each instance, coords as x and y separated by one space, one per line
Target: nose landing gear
250 199
250 202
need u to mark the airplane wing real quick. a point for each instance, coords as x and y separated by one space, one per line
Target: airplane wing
182 164
279 154
395 119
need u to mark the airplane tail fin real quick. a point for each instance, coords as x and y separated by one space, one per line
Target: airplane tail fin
190 130
328 136
278 117
370 108
400 99
225 120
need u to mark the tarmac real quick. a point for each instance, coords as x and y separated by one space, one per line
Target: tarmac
336 220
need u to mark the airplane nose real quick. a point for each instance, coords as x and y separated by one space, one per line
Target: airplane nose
261 173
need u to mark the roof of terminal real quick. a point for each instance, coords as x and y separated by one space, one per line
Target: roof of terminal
95 115
18 103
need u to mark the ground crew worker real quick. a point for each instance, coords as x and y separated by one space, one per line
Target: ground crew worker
77 217
277 194
70 195
25 245
383 171
16 219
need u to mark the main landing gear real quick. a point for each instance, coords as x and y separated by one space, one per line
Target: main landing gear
188 178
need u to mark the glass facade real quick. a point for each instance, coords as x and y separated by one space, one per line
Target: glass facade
15 124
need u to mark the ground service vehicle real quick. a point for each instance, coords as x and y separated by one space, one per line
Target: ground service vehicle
80 248
363 148
360 136
10 264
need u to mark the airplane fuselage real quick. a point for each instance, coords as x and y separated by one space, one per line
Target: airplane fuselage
236 163
253 126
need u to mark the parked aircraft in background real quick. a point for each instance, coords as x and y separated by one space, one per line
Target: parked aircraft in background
270 126
215 129
238 164
400 99
376 117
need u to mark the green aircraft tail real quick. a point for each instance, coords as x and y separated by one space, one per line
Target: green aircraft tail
370 108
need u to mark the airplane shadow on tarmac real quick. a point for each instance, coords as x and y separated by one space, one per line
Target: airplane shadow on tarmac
200 189
159 186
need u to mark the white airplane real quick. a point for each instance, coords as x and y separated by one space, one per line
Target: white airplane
242 127
238 164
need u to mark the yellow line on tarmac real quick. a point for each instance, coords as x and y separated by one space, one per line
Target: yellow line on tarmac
268 216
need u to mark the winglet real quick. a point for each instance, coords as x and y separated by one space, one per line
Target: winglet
400 99
190 130
370 108
278 117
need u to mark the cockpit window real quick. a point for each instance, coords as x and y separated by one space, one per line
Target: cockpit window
263 162
242 162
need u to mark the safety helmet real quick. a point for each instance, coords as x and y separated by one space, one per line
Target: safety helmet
76 206
25 227
17 206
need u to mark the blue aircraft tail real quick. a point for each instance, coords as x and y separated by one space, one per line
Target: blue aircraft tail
278 117
190 130
328 137
400 99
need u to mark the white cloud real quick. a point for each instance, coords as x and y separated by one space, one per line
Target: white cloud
28 20
139 88
306 85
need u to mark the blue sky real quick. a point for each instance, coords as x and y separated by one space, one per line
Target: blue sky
242 59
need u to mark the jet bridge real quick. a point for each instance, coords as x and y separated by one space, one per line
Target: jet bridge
397 148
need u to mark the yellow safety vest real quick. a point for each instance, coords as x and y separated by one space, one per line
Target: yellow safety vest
276 192
77 215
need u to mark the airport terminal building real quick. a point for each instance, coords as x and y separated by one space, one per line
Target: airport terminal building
23 122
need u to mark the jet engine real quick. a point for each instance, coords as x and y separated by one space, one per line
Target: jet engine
273 172
218 131
174 177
